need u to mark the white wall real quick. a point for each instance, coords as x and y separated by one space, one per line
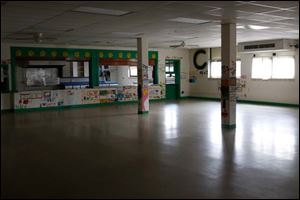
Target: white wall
278 91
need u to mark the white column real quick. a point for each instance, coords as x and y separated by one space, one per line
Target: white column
228 80
86 68
75 69
143 90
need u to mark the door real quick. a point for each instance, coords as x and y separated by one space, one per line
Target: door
172 70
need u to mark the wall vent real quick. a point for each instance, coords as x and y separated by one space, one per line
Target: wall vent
267 45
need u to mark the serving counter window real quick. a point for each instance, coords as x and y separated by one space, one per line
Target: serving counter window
51 74
122 75
75 74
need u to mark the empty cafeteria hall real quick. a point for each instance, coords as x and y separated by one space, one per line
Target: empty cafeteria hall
149 99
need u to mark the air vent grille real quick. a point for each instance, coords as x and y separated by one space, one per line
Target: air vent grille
259 46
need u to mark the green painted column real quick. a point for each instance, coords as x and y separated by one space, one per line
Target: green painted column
94 70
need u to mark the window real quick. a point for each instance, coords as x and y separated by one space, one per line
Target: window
277 67
215 69
170 73
132 71
261 68
283 67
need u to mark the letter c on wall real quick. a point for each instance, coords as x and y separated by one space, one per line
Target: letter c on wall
198 66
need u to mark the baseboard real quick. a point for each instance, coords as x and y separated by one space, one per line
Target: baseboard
250 102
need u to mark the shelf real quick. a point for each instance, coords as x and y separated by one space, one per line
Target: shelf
43 66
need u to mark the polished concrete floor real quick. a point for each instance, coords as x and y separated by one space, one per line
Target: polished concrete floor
178 150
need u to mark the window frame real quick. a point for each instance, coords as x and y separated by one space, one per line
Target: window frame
217 78
129 72
270 76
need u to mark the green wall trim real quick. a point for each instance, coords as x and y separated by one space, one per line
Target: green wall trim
7 110
206 98
156 100
268 103
143 112
250 102
228 126
185 97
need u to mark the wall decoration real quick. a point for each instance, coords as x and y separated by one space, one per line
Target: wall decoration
71 97
128 55
50 98
241 85
183 75
27 100
87 54
77 54
53 53
199 66
192 79
18 52
127 93
145 98
110 55
120 55
43 53
89 96
107 95
65 54
101 54
30 53
225 70
155 92
145 72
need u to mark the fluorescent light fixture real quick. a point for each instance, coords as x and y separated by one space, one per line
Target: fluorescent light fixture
256 27
240 27
102 11
189 20
125 33
293 31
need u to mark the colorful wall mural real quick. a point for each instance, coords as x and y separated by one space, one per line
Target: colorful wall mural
52 98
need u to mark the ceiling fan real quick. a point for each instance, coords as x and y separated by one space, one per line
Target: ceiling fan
33 37
183 44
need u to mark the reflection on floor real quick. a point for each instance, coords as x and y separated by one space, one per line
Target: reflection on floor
178 150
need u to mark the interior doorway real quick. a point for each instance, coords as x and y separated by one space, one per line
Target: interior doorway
172 73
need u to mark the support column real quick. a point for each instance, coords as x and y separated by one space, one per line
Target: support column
228 80
143 82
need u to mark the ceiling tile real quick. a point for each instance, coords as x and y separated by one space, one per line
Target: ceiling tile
150 18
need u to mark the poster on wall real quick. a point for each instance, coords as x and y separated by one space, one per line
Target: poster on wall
107 95
89 96
127 93
71 97
155 92
49 98
27 100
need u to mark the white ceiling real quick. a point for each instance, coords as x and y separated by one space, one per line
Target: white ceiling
19 19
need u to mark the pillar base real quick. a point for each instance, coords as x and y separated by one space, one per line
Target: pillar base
143 112
228 126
